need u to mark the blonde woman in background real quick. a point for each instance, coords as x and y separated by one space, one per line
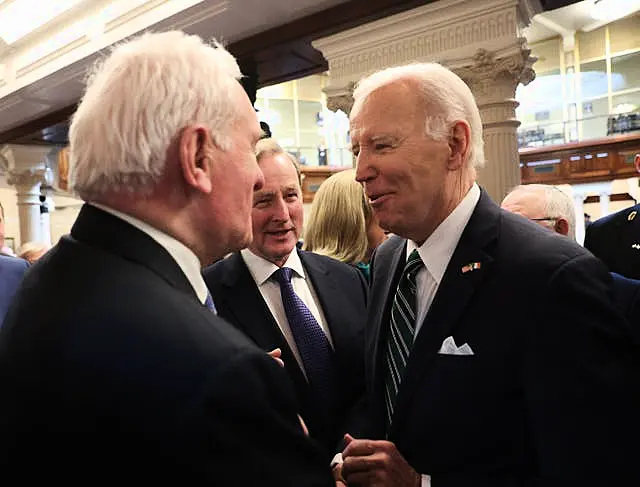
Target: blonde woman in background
32 251
341 224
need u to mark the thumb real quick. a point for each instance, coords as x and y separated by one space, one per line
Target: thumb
348 439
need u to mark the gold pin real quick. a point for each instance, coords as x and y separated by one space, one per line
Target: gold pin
632 215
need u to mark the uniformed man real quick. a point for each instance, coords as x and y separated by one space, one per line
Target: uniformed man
615 239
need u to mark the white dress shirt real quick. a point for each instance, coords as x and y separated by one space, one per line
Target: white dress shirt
261 271
436 252
184 257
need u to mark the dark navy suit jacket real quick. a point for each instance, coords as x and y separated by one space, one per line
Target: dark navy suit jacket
342 292
548 397
111 366
626 295
12 270
615 239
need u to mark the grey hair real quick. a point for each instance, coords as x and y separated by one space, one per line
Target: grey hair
557 204
137 102
268 147
444 92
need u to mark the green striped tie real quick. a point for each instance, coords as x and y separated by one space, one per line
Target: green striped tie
401 332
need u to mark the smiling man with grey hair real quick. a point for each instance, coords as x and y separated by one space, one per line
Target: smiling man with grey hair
115 366
471 382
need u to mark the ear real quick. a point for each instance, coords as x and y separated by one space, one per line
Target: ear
459 144
636 162
562 226
196 157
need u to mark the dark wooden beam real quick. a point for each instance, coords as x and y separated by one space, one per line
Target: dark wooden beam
32 127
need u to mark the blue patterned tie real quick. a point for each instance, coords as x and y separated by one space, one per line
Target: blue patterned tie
313 345
209 303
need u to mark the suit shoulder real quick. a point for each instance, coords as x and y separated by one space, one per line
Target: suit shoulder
13 264
616 218
214 272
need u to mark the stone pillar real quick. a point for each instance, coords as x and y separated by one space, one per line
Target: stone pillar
479 40
493 81
26 170
604 203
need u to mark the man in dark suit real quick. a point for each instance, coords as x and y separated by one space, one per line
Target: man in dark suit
247 293
494 354
615 239
113 362
550 208
12 271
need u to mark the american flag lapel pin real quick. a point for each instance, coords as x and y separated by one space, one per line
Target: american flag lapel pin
472 266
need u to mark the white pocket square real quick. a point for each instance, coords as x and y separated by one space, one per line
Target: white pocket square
449 348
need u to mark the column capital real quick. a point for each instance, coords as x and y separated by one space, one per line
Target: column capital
340 98
27 178
491 71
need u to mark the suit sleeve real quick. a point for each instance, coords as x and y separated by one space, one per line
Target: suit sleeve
580 379
250 416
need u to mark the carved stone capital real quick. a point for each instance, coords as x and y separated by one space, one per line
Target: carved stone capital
491 75
340 99
27 179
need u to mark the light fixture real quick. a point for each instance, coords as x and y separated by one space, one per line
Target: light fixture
21 17
613 9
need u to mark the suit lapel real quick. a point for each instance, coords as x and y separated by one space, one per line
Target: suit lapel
328 294
384 285
243 300
469 265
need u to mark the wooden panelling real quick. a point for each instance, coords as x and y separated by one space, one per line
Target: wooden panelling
313 177
582 162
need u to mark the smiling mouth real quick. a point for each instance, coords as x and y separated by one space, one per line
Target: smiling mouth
280 233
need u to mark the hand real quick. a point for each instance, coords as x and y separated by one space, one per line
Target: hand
276 355
337 475
376 464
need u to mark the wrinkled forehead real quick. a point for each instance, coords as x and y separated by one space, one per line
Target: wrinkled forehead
393 106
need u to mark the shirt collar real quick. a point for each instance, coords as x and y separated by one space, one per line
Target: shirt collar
261 269
183 255
437 250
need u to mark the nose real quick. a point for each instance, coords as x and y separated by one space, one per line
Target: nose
280 210
364 169
259 183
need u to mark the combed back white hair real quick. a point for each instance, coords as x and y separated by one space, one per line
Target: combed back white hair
557 204
138 100
446 96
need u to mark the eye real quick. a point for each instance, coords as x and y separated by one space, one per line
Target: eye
381 146
292 196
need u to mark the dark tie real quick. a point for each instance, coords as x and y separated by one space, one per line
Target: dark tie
209 303
401 332
313 345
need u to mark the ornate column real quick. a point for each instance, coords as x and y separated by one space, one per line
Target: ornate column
27 170
478 40
493 80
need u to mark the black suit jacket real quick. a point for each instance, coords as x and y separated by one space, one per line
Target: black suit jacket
615 240
546 397
111 368
342 292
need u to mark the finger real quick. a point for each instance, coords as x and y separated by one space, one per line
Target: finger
275 353
304 426
352 465
348 438
360 448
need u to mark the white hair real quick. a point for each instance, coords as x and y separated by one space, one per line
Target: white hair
446 95
138 100
557 204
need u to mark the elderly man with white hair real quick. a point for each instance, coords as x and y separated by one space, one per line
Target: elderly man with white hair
115 367
553 209
494 354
